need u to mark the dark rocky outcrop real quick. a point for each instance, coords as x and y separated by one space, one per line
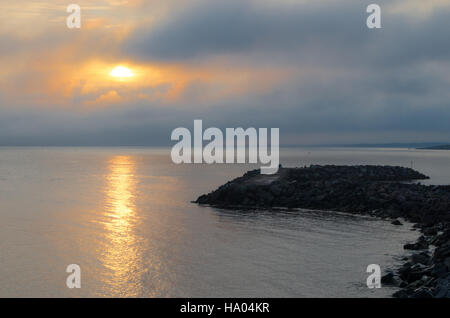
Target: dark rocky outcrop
382 191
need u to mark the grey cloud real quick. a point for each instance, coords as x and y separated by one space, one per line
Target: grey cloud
348 80
226 27
332 31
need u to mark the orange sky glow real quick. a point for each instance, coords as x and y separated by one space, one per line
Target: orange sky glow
53 65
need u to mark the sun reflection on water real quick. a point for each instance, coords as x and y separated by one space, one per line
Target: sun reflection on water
122 250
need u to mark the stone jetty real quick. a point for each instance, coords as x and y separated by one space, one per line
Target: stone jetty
381 191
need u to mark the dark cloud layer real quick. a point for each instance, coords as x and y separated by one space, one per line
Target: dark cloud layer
347 82
233 27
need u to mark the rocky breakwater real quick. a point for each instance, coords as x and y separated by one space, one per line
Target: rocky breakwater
381 191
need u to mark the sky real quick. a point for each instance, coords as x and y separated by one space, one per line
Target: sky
311 68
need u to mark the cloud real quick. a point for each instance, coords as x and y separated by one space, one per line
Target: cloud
418 8
311 68
332 31
233 27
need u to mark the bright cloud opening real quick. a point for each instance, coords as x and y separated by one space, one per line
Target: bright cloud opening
122 72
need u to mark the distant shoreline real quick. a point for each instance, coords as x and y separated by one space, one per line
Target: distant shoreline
441 147
418 146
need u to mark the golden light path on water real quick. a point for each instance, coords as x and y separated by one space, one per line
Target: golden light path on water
133 250
122 255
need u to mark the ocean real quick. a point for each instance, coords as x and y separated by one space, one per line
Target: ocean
125 216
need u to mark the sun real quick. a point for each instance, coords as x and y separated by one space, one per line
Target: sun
121 71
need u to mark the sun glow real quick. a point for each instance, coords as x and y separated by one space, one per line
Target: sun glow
122 72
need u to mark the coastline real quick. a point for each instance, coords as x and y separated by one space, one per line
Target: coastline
381 191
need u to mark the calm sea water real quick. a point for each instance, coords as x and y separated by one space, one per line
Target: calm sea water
124 215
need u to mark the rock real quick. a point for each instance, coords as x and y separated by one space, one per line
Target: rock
415 285
447 263
439 270
430 231
421 244
421 258
403 284
405 269
275 189
401 294
413 246
442 289
428 281
442 252
396 222
411 273
422 292
388 279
